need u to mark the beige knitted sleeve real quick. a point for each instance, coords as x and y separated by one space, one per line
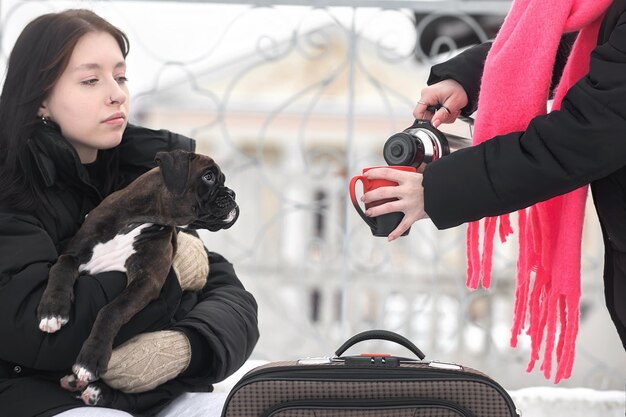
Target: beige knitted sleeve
190 262
147 361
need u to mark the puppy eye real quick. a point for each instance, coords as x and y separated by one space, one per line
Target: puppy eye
209 178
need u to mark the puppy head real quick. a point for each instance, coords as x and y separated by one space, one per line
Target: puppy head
195 181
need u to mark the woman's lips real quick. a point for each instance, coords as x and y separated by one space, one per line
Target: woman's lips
115 119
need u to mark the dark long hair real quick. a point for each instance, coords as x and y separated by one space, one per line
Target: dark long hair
37 61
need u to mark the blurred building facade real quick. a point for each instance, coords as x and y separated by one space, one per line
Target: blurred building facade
293 99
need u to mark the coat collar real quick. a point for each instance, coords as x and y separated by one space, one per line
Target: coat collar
55 156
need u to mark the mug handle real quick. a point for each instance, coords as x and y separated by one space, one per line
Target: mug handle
370 222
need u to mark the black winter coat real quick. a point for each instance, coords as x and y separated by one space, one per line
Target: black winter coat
221 320
582 143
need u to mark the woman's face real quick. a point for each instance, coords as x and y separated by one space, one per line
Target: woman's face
90 101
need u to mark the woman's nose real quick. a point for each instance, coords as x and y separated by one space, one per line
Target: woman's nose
117 95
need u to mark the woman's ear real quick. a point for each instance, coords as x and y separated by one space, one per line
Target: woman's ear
43 110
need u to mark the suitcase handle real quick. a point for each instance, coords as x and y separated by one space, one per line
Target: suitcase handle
381 335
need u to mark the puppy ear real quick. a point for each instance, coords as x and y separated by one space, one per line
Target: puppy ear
174 170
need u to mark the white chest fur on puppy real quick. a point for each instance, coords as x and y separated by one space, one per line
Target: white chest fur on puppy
107 256
112 255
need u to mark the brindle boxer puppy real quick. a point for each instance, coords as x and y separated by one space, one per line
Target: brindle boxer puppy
186 189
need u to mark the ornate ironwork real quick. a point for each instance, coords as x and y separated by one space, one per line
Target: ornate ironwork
293 98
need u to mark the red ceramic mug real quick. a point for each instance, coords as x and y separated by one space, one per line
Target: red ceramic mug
386 223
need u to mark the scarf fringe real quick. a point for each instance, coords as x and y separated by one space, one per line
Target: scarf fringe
478 264
549 310
473 256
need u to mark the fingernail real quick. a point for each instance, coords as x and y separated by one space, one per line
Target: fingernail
368 212
436 122
363 198
390 238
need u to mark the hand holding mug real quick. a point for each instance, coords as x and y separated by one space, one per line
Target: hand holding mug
393 198
408 197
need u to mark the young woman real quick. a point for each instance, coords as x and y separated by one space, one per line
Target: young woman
65 144
525 157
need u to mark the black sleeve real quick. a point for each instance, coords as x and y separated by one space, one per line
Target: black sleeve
26 255
559 152
226 319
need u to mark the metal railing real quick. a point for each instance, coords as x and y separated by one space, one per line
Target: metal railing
293 98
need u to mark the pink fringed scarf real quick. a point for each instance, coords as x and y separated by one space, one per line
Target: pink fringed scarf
514 89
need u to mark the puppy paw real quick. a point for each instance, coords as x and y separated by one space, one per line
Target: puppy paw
53 311
92 360
92 395
72 384
52 324
84 375
98 394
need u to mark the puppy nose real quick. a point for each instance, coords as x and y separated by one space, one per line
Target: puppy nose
230 193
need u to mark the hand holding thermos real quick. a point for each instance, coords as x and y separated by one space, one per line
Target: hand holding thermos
441 102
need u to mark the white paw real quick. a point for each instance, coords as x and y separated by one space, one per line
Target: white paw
91 395
83 374
70 383
52 324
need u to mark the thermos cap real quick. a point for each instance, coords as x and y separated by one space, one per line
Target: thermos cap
419 144
403 149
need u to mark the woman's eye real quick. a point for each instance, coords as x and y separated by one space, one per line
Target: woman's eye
91 81
122 79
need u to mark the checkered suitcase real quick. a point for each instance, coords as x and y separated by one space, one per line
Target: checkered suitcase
367 385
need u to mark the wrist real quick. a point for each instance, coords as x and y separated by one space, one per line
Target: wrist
201 354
